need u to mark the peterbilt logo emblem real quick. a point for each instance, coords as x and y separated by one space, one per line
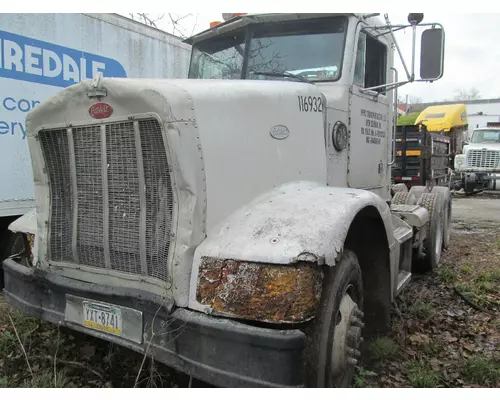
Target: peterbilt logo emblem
279 132
100 110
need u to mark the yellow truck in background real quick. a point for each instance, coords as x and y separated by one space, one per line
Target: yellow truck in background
449 120
426 147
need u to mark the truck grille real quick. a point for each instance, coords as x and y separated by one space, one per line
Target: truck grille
483 158
111 196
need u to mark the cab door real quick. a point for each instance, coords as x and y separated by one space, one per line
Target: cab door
370 115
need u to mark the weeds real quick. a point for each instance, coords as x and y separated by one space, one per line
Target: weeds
446 274
360 377
7 343
423 309
420 375
382 348
465 269
46 380
4 383
480 369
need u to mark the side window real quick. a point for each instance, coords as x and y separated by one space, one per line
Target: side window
371 62
359 70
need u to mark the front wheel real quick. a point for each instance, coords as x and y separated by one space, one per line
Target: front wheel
334 337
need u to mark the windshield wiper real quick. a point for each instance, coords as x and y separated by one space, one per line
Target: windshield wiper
283 75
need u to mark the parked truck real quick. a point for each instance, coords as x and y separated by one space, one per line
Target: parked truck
478 167
239 225
426 149
42 53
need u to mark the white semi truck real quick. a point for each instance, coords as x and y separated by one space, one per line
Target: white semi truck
239 225
42 53
477 168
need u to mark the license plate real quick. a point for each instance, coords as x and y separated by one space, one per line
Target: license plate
102 317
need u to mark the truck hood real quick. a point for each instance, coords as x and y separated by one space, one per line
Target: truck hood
227 143
481 146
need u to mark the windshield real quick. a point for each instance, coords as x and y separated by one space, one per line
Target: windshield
490 136
218 58
310 48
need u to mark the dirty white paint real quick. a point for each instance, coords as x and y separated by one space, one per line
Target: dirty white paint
223 157
41 54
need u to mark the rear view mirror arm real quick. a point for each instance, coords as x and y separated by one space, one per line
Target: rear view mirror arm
386 16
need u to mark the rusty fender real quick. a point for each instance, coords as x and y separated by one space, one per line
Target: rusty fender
299 223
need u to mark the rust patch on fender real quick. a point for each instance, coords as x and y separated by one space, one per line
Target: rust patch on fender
260 292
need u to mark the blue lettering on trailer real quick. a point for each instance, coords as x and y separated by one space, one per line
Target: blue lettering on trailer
32 60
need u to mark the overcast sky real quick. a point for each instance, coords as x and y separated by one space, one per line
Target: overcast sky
471 61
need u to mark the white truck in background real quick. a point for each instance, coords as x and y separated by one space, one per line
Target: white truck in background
478 167
40 54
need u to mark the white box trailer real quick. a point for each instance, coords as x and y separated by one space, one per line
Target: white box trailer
41 54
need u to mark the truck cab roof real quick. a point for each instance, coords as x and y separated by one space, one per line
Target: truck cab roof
241 21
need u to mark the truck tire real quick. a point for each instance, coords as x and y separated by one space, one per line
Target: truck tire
399 187
404 198
433 242
447 208
417 191
334 337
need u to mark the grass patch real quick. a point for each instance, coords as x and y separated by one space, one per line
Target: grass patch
46 380
482 287
421 375
480 370
382 348
423 309
360 377
4 383
25 326
465 269
7 343
446 274
479 283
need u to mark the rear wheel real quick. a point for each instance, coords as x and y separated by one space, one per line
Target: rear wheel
433 242
404 198
447 209
334 337
399 187
418 191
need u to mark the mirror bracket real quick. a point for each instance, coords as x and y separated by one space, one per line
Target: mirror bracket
390 29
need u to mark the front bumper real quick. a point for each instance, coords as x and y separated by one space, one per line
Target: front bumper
219 351
467 170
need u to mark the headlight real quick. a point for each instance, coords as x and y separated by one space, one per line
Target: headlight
459 161
260 292
340 136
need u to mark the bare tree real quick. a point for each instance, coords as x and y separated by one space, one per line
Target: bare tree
182 25
464 94
414 99
147 19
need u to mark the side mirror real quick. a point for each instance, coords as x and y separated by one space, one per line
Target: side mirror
432 54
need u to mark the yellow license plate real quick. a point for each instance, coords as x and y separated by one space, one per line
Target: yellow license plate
102 317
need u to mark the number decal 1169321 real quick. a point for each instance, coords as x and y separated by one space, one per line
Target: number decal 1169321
310 104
